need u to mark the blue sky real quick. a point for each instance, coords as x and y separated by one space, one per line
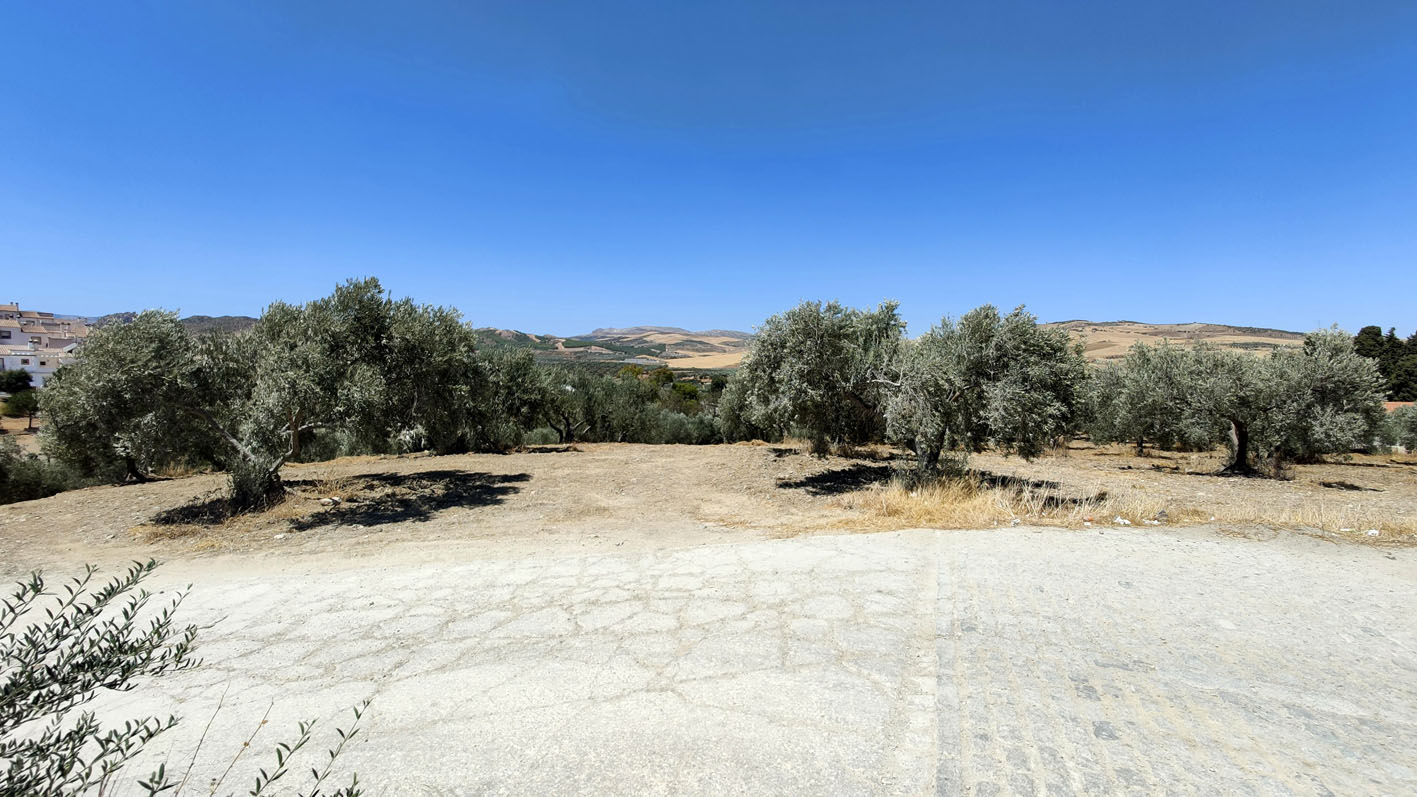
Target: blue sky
559 166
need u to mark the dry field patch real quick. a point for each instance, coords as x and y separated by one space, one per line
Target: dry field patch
639 497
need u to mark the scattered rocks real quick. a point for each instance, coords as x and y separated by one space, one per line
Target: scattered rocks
280 536
1015 521
1121 521
1372 532
330 502
1162 516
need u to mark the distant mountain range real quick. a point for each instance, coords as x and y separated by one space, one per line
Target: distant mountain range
714 349
196 324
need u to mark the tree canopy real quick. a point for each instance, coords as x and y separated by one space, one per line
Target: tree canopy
1292 404
816 369
985 380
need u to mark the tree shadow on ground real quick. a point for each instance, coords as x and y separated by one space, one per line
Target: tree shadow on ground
990 479
380 498
1342 485
1052 498
862 453
366 499
839 480
212 509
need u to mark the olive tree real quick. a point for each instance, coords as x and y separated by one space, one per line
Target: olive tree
517 399
1147 396
384 372
985 380
1400 428
816 368
117 411
1294 404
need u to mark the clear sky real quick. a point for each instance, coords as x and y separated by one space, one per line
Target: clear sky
554 167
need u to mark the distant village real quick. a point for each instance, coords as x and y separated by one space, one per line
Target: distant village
37 342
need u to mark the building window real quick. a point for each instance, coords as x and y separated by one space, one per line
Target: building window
4 334
24 361
43 363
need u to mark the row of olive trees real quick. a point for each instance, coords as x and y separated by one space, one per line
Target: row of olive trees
148 393
353 372
1294 404
842 376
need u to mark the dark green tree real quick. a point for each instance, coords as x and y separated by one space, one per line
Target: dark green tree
15 381
23 404
1369 342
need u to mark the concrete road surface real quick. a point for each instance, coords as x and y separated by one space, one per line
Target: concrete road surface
1023 661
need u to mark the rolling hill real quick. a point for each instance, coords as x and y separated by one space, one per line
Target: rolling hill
678 348
718 349
1108 340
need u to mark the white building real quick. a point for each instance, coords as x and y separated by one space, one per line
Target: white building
37 342
45 330
40 363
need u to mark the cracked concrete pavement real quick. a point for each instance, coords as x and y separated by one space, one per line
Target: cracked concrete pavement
1020 661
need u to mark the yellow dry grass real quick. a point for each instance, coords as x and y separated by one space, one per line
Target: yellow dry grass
968 504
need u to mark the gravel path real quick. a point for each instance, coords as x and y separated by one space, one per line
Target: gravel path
1013 661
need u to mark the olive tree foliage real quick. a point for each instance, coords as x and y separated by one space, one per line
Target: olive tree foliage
587 407
1400 428
1295 404
117 411
61 648
1291 405
516 398
815 370
385 373
25 476
58 650
985 380
1144 398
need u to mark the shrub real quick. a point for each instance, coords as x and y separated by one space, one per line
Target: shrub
54 662
24 476
55 659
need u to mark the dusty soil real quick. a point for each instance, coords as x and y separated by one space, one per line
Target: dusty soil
1358 492
612 497
17 429
589 497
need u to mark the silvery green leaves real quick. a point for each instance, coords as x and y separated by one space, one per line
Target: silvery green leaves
986 380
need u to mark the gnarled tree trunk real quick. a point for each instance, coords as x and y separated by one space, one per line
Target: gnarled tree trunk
1240 445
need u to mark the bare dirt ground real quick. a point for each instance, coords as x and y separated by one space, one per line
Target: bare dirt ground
19 430
707 620
610 497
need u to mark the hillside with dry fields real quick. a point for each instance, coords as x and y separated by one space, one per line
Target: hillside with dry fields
1106 340
724 349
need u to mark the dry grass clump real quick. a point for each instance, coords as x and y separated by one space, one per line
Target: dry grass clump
970 503
1342 519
